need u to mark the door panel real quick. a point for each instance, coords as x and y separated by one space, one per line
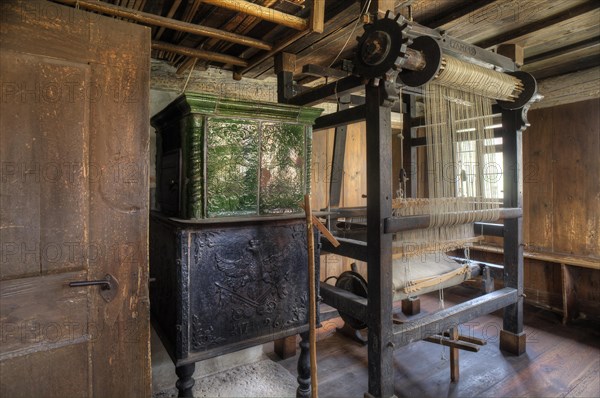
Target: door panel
54 373
43 163
39 314
73 202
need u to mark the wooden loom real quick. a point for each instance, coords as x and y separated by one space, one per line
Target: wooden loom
392 54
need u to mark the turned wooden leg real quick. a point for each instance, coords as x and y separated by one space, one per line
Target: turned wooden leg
303 390
186 382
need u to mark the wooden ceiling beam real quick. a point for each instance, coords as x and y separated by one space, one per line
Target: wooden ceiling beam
456 13
265 13
581 45
567 67
200 54
539 25
157 20
241 24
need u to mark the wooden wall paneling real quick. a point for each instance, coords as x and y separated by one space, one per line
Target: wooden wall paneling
355 178
584 292
569 294
354 185
320 169
334 265
591 162
543 283
321 166
538 182
576 179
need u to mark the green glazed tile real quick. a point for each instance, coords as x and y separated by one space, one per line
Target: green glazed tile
232 164
283 168
239 157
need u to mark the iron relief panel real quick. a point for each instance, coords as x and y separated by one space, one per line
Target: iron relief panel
249 282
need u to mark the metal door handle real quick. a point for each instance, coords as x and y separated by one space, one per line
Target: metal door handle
108 286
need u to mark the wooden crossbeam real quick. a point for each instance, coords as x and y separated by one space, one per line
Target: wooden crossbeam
266 13
197 53
435 323
580 45
157 20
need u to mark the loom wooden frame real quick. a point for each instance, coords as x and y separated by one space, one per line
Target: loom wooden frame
383 335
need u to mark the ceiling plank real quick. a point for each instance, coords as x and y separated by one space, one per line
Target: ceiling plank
455 13
170 14
539 25
593 41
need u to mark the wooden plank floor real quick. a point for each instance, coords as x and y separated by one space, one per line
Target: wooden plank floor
560 360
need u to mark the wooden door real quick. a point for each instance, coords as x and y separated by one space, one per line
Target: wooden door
74 202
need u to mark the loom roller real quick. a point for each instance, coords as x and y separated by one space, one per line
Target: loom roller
408 54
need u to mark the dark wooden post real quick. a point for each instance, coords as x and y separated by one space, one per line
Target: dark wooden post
409 152
284 68
512 337
379 255
186 381
303 390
